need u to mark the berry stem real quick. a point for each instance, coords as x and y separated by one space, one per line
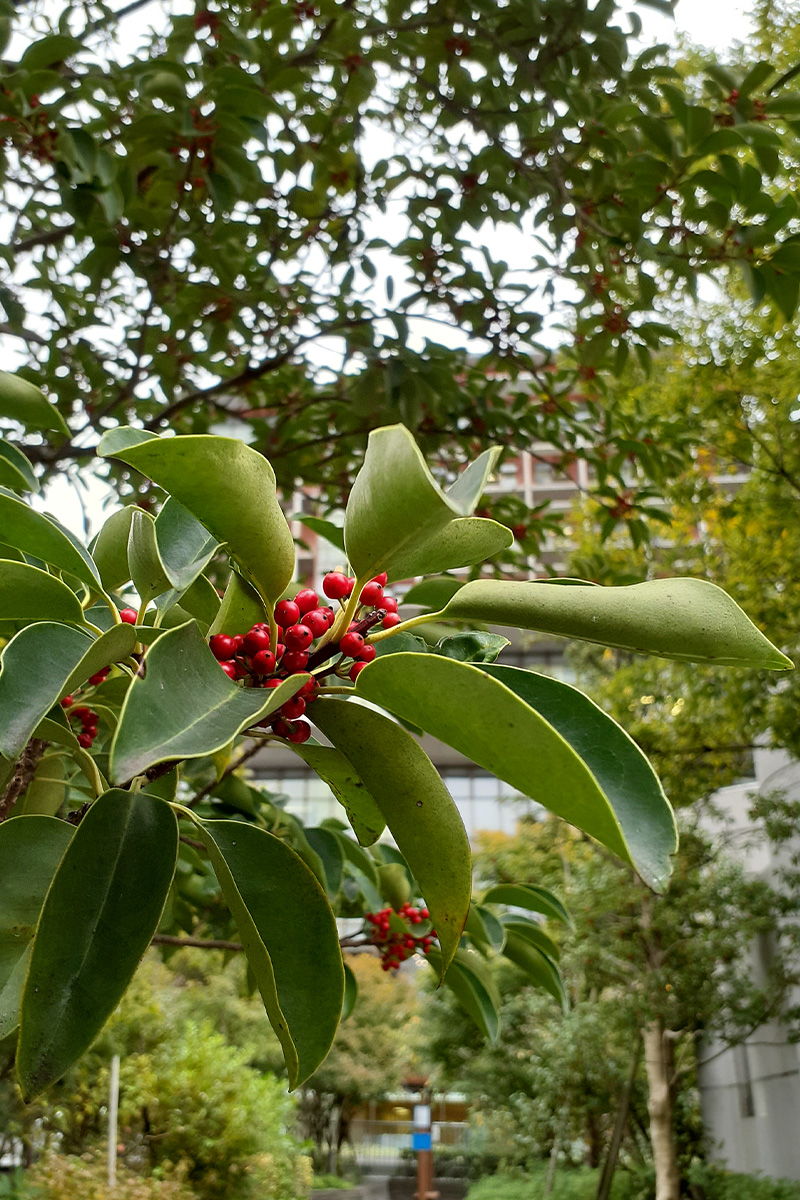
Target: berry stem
405 625
344 618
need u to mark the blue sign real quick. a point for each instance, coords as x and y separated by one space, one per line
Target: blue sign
420 1141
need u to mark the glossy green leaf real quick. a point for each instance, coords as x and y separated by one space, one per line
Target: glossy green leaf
31 847
326 529
530 897
240 610
415 804
123 438
400 521
36 535
472 647
494 930
686 619
349 789
543 737
47 790
326 845
361 869
529 931
15 470
185 546
21 401
230 489
350 992
537 966
433 593
101 911
199 600
30 594
471 982
44 662
144 561
185 706
289 934
110 548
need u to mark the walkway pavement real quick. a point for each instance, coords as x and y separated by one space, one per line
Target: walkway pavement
377 1187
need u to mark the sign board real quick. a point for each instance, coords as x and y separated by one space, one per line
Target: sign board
420 1141
422 1116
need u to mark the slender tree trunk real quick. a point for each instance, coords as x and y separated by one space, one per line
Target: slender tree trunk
610 1165
658 1056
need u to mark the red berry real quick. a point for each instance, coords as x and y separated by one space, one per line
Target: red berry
389 603
263 663
390 620
222 647
356 670
351 583
371 594
255 640
273 683
294 660
89 718
351 644
336 586
84 740
367 654
81 713
99 677
238 642
298 637
65 703
307 689
316 621
382 579
280 727
128 615
287 613
229 668
293 708
423 912
306 600
301 733
328 614
90 731
280 650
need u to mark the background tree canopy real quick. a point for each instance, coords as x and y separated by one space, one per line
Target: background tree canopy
299 214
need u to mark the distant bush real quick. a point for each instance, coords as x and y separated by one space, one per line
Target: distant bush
321 1182
724 1185
61 1177
573 1184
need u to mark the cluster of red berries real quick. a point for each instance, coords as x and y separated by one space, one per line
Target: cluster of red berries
250 657
396 947
87 718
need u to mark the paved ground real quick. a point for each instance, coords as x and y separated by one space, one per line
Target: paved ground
377 1187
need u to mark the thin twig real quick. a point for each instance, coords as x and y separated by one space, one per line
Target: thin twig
24 772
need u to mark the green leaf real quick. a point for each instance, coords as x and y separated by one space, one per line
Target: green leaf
543 737
471 982
185 706
494 930
200 600
472 647
529 931
326 845
272 896
433 593
110 548
36 535
144 561
349 789
44 662
529 896
415 804
30 850
350 992
185 546
15 470
230 489
361 869
537 966
240 610
21 401
47 790
101 911
49 50
30 594
326 529
687 619
400 521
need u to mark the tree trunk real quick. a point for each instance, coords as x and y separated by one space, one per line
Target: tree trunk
610 1165
658 1061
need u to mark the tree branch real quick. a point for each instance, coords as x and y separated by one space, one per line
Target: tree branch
24 772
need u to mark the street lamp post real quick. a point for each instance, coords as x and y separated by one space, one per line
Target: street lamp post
421 1142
